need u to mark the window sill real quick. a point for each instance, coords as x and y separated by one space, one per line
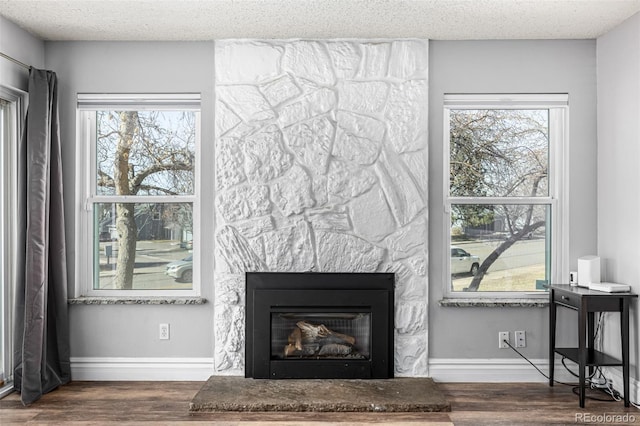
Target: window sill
494 303
137 301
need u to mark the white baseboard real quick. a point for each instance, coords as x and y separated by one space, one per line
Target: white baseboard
440 369
501 370
138 369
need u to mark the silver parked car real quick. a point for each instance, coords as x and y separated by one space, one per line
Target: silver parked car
181 270
463 262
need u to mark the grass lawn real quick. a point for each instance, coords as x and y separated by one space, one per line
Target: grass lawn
519 279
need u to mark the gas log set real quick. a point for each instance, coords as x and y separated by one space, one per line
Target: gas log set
315 341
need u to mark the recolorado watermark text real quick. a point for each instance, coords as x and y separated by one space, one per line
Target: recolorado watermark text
605 418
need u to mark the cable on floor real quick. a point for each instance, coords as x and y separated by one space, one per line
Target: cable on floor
536 367
615 395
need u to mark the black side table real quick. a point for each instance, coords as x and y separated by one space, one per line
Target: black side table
587 302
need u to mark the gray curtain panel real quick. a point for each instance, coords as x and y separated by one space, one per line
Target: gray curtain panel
41 351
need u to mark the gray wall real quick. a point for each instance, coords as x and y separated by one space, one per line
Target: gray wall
104 67
455 67
20 45
618 172
509 67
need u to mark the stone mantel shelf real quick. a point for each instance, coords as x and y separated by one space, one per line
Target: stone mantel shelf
137 301
494 303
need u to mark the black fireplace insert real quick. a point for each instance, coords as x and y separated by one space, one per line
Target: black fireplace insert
319 325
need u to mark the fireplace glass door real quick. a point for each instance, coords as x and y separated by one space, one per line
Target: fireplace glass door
320 335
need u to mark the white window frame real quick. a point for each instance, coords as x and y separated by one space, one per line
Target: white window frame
12 131
86 187
557 198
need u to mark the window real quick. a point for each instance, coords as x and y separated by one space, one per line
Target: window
138 178
11 113
504 161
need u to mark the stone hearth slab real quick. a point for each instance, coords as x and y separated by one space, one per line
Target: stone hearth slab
225 393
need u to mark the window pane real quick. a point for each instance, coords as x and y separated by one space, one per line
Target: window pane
499 153
143 246
499 248
3 143
7 139
145 152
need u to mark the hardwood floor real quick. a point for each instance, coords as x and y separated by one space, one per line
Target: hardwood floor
168 403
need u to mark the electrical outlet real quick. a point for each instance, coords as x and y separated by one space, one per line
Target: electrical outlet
521 339
164 331
502 336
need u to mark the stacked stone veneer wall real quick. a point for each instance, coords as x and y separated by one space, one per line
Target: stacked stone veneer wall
321 165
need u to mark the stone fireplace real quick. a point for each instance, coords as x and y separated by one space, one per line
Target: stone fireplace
321 166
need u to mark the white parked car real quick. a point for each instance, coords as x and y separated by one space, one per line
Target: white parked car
463 262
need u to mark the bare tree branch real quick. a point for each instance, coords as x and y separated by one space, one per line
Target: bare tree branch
504 246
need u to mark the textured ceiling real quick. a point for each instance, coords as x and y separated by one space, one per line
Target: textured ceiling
218 19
